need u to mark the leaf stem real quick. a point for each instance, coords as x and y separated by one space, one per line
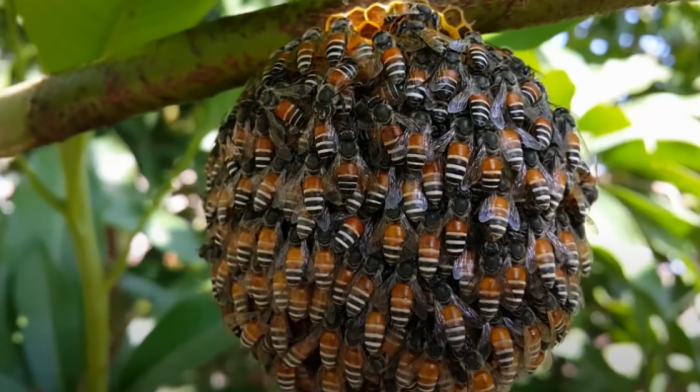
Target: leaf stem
121 264
81 225
42 190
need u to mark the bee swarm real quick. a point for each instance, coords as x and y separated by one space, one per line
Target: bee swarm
394 205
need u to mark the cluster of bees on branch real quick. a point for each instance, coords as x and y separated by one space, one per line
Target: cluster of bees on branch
398 209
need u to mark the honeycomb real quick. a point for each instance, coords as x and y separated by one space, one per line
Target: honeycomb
393 204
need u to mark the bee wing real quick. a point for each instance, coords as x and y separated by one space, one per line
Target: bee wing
474 173
420 302
471 317
484 344
497 107
513 216
446 383
382 294
393 195
410 44
376 242
459 45
486 212
464 266
433 39
527 139
459 102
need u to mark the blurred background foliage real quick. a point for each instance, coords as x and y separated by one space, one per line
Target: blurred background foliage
632 78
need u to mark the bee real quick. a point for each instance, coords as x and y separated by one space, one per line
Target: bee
291 113
218 204
561 286
363 285
325 140
476 52
538 181
418 74
307 49
405 372
219 283
279 333
305 223
382 187
312 187
448 77
508 98
575 297
438 111
430 369
515 285
285 376
267 184
457 227
533 91
349 172
391 56
258 286
542 128
433 184
401 295
366 57
413 35
587 182
488 165
392 344
570 244
489 293
374 324
330 380
353 228
413 200
464 271
353 357
320 300
453 316
586 256
337 40
302 349
254 326
269 238
329 343
415 11
323 260
245 238
299 298
345 276
418 142
271 72
458 153
545 262
295 260
429 244
500 213
394 235
567 137
335 84
243 190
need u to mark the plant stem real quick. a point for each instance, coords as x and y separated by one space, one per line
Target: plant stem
121 264
45 193
80 223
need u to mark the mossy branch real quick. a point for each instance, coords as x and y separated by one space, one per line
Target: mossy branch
211 58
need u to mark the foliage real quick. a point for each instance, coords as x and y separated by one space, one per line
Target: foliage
141 191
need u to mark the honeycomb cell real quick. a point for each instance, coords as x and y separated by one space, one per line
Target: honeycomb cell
357 17
367 29
453 17
376 13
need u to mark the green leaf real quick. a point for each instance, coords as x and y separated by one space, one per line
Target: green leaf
530 37
189 335
172 233
603 119
35 288
642 205
7 384
560 89
69 33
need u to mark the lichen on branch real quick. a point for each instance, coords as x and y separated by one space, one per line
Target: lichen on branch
211 58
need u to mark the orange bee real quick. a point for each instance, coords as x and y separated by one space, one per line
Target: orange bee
363 285
349 233
324 261
345 276
401 295
453 316
279 333
500 213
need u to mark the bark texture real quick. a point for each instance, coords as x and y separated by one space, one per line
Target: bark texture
213 57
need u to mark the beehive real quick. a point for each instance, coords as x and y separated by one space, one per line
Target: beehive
394 205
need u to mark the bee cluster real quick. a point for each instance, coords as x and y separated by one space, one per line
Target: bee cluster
394 205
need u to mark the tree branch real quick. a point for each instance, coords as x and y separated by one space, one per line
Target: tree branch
214 57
